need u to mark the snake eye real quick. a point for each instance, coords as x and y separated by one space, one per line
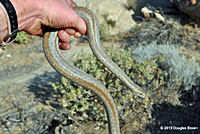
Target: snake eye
142 95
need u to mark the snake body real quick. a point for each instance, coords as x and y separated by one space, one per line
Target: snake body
72 73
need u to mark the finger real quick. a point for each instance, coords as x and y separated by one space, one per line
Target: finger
81 26
70 31
73 21
77 35
63 36
78 23
64 46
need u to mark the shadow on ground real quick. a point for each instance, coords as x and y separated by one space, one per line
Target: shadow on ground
42 88
166 118
176 119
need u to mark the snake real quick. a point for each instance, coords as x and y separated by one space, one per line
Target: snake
65 68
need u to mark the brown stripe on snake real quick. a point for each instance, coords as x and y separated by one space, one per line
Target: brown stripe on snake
104 58
93 84
90 84
74 74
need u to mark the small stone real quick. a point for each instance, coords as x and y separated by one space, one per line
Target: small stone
57 130
1 50
8 55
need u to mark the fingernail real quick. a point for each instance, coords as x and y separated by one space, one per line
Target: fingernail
77 35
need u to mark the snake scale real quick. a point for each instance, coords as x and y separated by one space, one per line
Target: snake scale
72 73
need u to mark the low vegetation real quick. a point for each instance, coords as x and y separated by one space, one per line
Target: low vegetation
84 106
22 38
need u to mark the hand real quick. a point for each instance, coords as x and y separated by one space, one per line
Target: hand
33 15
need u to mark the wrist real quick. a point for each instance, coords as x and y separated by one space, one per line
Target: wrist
26 13
4 24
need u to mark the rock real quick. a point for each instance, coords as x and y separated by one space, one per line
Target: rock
1 50
149 13
114 9
8 56
136 5
191 9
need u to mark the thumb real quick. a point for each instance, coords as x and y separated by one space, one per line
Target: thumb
77 22
80 25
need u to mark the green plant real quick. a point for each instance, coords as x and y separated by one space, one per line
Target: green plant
22 38
107 24
171 32
84 106
182 71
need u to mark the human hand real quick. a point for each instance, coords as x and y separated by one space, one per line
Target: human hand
33 15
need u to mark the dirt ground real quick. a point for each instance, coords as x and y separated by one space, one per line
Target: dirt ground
25 82
27 102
